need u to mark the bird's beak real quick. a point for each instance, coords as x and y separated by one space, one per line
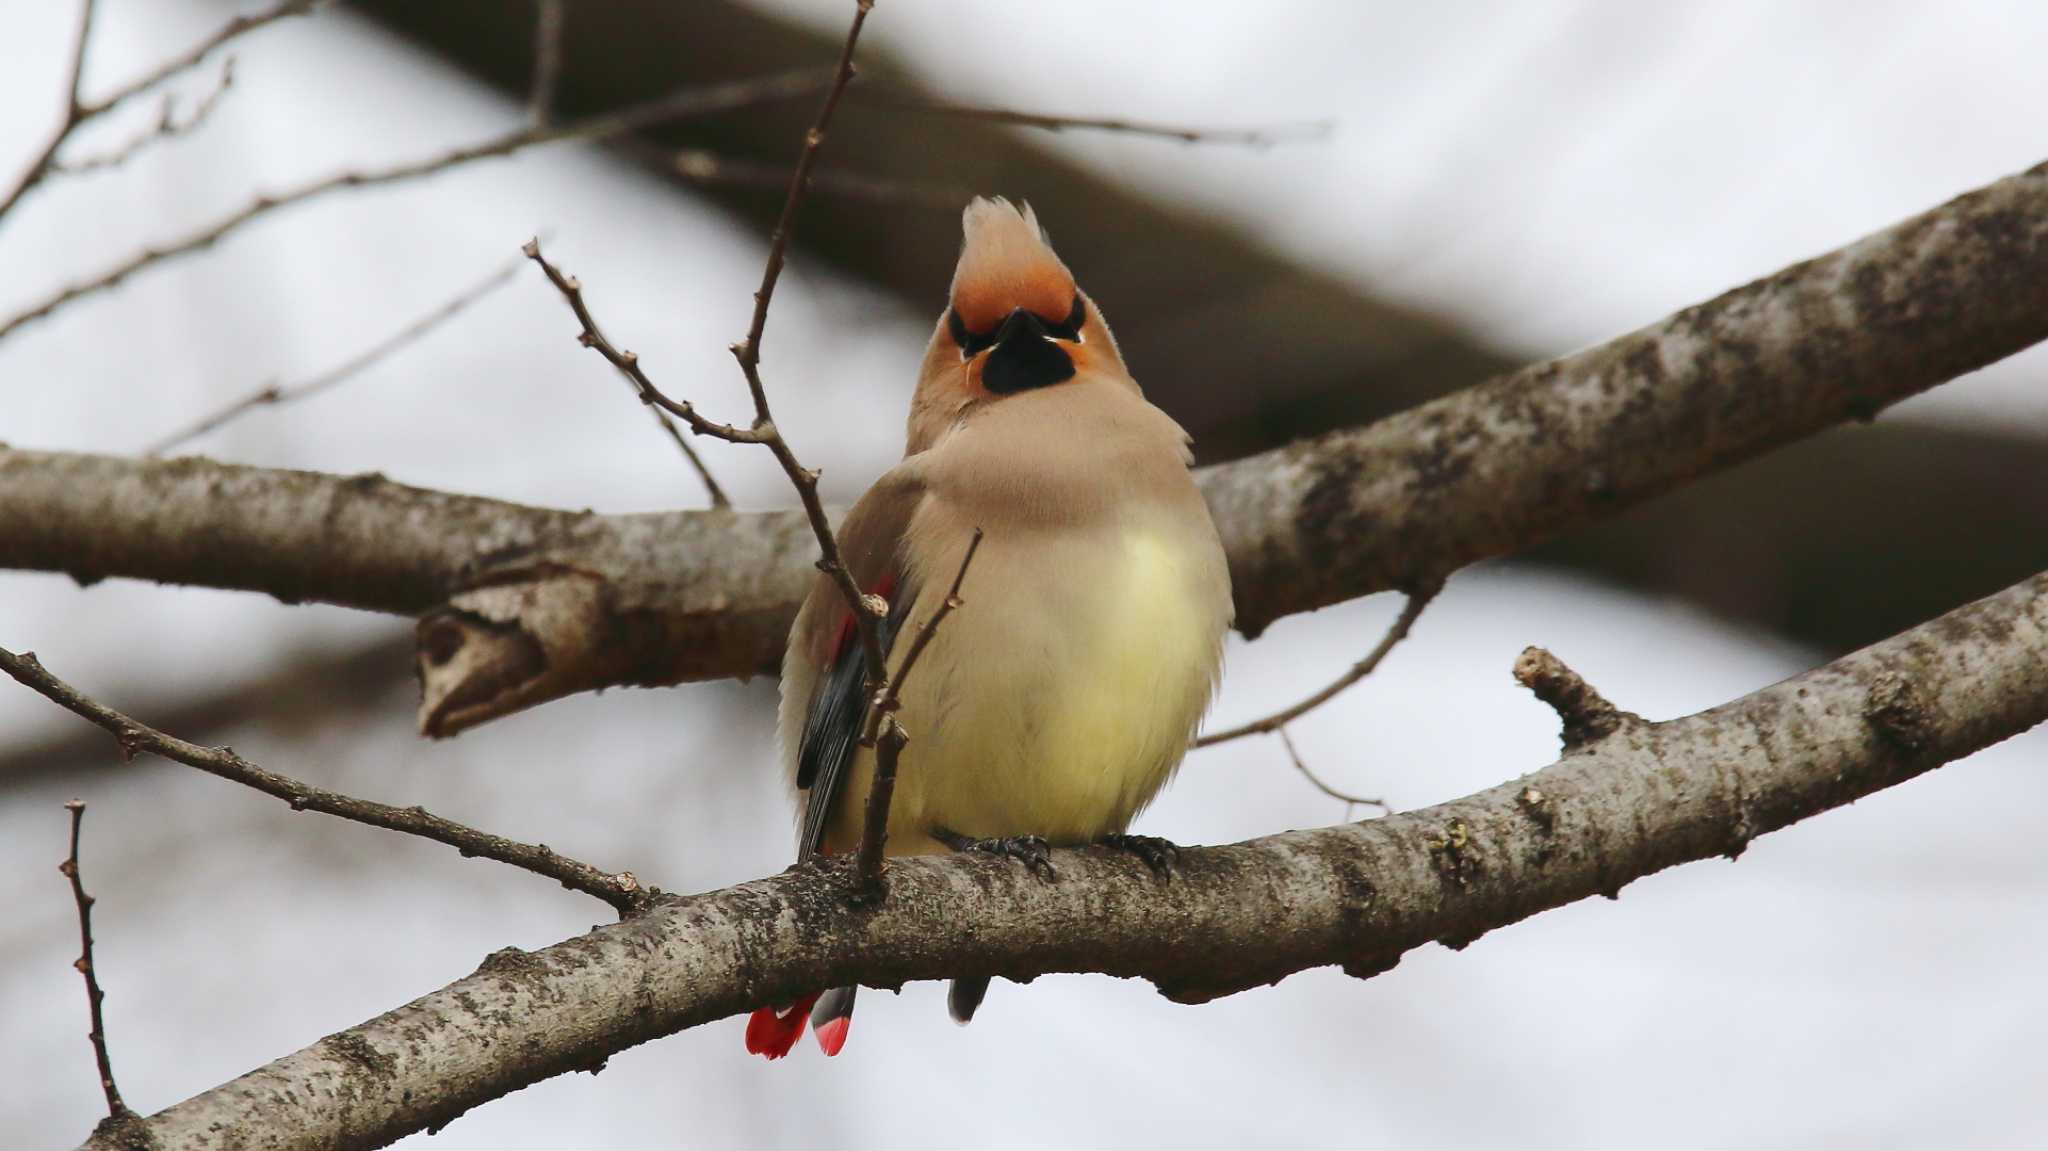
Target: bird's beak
1025 356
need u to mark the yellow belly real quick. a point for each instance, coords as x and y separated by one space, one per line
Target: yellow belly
1058 703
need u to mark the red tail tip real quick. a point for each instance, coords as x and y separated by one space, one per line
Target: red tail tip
832 1036
772 1032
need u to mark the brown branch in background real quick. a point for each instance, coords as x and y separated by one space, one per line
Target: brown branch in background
271 395
167 127
80 111
679 105
1260 138
1349 800
117 1111
620 889
887 736
1410 611
548 18
711 170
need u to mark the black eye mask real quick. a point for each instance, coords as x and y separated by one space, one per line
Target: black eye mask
1025 355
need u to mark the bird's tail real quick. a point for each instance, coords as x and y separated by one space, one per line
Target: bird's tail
772 1031
964 996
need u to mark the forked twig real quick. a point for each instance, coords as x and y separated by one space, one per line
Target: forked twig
620 889
78 111
866 610
167 127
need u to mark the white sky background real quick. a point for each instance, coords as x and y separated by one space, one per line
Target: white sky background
1549 173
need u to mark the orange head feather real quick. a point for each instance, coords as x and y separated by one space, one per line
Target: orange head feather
1006 264
1015 319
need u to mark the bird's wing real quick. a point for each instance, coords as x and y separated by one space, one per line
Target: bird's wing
871 543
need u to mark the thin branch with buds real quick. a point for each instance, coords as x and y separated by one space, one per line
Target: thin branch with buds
117 1111
1259 138
866 610
748 353
628 365
684 104
167 127
619 889
1410 612
271 395
887 736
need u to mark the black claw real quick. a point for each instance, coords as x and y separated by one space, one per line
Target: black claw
1159 854
1029 850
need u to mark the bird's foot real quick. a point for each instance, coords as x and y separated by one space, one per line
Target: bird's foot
1029 850
1159 854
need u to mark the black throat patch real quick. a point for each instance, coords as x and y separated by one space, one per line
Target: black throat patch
1024 357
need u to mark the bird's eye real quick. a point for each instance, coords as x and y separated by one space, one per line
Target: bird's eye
970 342
1070 328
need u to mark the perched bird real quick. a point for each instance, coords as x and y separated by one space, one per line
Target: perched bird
1055 703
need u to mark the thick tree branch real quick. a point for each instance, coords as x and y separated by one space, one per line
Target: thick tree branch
562 602
1357 895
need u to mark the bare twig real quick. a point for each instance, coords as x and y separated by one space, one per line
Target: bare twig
116 1109
75 113
711 170
271 395
1410 611
888 737
620 889
763 431
167 127
80 111
1261 138
628 365
748 352
711 486
547 61
1349 800
232 30
684 104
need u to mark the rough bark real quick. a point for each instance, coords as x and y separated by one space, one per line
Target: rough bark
523 604
1619 806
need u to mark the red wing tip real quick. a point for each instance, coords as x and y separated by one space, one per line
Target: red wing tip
771 1033
832 1036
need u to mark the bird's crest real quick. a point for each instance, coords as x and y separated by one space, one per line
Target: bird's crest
1006 264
